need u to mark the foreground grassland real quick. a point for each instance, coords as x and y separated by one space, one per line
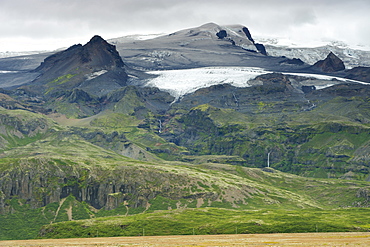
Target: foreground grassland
210 221
281 239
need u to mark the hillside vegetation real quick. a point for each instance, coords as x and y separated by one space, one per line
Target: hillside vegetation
87 141
129 159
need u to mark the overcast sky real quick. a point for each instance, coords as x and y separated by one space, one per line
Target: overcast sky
50 24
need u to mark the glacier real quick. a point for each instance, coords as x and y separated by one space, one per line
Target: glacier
185 81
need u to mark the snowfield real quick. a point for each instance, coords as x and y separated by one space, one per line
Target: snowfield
181 82
311 51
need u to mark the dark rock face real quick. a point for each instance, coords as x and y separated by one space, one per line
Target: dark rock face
221 34
248 34
261 48
331 63
308 89
359 74
96 68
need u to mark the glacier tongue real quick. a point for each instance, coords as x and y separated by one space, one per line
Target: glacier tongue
186 81
181 82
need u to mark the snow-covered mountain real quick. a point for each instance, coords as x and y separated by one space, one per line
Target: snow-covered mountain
199 57
311 52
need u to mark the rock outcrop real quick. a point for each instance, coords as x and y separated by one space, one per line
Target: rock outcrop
359 74
330 64
240 36
95 67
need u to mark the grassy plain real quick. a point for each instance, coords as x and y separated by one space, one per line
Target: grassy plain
281 239
212 221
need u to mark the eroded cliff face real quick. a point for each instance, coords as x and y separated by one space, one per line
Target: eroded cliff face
40 181
21 127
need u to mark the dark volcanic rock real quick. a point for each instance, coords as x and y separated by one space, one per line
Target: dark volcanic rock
221 34
97 53
95 67
331 63
308 89
359 74
261 48
248 34
294 61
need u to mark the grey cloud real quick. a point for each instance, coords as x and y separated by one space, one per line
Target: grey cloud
70 18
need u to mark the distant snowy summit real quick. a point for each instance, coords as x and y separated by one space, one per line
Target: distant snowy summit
18 53
204 46
237 35
311 51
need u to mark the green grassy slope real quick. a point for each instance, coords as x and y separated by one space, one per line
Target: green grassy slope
203 161
162 187
213 221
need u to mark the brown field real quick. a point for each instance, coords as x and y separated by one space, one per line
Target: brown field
282 239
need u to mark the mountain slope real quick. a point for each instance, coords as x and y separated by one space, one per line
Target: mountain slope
84 67
203 46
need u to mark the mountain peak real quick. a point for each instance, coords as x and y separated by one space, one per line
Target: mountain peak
97 40
331 63
81 65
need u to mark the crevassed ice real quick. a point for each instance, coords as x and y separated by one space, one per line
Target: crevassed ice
181 82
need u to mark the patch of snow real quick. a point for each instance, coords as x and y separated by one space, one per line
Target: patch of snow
134 37
286 42
327 77
6 71
95 74
323 86
181 82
